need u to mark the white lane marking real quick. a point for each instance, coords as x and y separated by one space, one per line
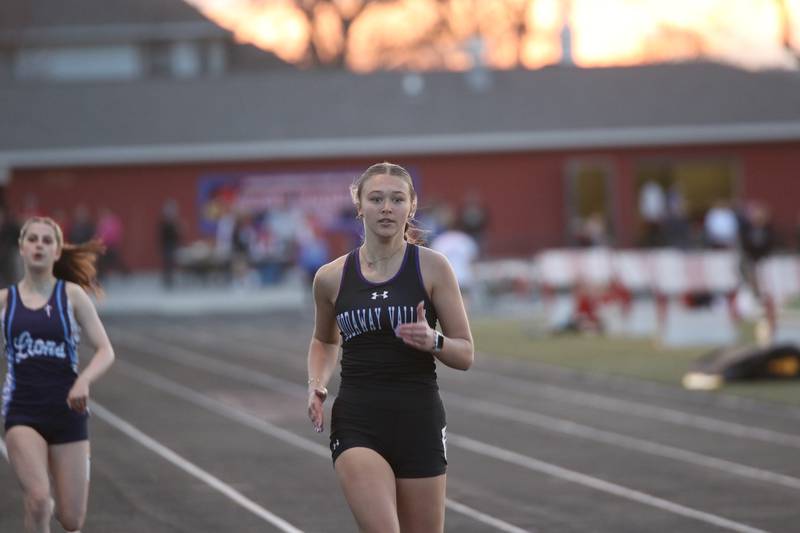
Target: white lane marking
176 389
501 411
530 463
485 518
186 357
738 404
673 416
616 439
247 350
599 482
243 417
270 429
640 409
192 469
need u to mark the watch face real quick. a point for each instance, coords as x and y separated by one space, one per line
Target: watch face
439 341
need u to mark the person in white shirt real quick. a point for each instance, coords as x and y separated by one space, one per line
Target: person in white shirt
652 209
461 250
721 226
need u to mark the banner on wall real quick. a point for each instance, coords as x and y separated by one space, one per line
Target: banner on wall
325 195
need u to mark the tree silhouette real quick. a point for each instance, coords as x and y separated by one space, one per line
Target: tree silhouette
786 29
438 42
365 35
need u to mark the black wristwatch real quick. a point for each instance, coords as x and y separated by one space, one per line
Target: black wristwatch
438 342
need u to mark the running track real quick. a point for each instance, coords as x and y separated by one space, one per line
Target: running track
201 427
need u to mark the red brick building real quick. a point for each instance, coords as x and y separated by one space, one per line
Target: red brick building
540 148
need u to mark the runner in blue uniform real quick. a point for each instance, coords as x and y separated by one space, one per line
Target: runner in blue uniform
380 304
45 396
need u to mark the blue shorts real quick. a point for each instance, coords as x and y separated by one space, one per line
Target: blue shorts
407 430
56 425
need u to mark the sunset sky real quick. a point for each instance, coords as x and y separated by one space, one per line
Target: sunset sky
442 34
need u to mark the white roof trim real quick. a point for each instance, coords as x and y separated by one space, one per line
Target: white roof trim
403 145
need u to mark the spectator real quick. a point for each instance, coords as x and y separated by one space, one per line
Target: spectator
223 238
9 256
475 218
312 249
461 250
110 231
243 240
82 228
345 232
677 230
592 231
169 236
721 225
652 209
435 218
757 239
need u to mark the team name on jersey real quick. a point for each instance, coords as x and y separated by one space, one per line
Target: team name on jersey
359 321
26 346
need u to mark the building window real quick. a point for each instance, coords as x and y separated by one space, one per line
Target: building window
590 202
675 195
117 62
185 60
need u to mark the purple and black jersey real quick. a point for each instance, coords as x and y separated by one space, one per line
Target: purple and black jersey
388 399
367 314
41 352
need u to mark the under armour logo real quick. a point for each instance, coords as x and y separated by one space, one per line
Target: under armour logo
335 444
384 295
47 309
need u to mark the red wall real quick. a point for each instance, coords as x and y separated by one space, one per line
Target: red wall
523 191
773 176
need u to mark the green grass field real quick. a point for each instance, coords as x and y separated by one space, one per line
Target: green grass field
611 355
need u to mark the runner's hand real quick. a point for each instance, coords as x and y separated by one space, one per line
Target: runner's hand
78 397
316 397
417 334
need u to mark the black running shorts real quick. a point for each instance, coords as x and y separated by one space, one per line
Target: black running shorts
408 429
59 425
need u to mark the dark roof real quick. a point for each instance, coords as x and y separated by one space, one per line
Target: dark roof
58 21
27 14
325 112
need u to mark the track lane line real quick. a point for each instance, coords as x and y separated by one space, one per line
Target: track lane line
596 483
176 389
475 446
548 423
192 469
638 409
575 429
550 469
643 410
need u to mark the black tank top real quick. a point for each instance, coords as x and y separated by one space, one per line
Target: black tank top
367 314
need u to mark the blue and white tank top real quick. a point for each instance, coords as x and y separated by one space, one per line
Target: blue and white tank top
41 347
